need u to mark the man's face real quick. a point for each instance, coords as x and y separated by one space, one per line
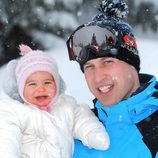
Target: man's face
110 80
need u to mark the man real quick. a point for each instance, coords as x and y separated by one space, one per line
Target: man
126 101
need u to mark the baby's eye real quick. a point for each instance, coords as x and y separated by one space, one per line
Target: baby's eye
32 84
48 82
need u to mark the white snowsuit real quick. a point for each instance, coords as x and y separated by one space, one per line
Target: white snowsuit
28 132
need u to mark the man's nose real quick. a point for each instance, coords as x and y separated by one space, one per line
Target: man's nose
100 74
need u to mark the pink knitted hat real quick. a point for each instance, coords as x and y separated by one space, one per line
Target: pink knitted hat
33 61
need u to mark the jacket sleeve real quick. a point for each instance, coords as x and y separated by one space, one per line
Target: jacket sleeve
89 129
10 133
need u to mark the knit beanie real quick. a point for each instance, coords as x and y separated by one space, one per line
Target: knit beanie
111 14
33 61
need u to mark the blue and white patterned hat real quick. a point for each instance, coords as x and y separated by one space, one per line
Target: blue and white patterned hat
111 15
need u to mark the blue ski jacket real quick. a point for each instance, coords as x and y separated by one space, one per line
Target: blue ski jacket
121 122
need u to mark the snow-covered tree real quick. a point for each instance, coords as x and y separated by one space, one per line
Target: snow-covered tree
57 17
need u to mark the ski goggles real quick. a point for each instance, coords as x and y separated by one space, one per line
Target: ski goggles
91 39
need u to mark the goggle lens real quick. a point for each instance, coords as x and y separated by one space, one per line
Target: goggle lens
97 39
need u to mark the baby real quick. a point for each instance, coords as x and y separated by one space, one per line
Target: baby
41 121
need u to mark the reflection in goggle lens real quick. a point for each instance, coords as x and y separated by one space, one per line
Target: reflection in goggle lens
94 38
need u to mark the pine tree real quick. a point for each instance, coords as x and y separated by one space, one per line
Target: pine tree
57 17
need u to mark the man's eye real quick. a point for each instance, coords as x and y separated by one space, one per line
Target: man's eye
88 67
108 61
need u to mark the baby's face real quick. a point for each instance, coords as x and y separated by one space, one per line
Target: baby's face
40 88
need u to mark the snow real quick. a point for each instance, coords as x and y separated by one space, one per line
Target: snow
74 78
51 18
148 53
67 20
151 1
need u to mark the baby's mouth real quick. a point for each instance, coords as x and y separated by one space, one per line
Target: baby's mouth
41 97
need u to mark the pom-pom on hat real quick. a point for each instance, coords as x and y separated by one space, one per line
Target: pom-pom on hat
33 61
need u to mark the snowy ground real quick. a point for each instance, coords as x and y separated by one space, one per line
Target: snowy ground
74 78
